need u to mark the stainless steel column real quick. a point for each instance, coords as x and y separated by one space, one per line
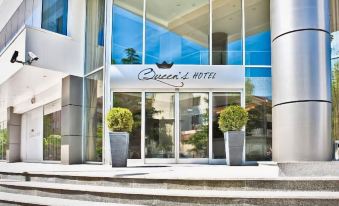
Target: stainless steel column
301 79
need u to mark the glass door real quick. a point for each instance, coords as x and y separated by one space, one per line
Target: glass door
160 127
193 126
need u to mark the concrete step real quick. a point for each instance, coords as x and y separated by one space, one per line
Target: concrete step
22 199
156 196
271 184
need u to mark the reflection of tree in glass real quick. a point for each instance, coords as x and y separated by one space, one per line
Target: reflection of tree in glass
199 140
132 102
159 142
3 143
335 101
258 108
131 57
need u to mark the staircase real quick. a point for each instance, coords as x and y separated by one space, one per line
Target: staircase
50 189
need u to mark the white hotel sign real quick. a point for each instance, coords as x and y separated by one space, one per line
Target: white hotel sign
179 76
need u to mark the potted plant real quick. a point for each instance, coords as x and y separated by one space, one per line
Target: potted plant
231 120
120 122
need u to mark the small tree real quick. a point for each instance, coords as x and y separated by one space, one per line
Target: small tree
132 57
120 120
232 118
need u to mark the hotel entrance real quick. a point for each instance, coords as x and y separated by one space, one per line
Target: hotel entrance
176 126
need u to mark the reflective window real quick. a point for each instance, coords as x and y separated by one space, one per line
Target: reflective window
335 99
220 101
95 19
335 67
3 139
54 16
52 131
93 116
259 106
193 125
131 101
226 33
258 35
127 32
177 31
160 129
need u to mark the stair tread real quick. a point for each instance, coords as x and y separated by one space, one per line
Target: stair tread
38 200
178 192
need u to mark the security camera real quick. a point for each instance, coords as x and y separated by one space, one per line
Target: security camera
32 57
14 57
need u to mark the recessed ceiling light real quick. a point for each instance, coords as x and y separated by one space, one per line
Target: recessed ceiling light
44 76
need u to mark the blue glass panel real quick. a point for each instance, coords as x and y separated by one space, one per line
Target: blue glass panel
126 34
164 45
258 72
54 16
234 54
258 49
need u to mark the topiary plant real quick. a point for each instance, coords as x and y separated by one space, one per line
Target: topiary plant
232 118
120 120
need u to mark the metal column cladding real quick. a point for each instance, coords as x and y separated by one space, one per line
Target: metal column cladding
301 77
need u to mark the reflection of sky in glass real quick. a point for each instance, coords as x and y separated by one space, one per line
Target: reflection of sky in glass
262 81
258 49
335 45
127 33
163 45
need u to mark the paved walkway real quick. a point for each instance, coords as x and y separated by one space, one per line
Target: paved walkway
164 171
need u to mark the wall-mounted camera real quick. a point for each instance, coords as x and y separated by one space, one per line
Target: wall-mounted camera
31 58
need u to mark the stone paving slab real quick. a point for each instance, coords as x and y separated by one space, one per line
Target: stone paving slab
178 171
164 171
37 200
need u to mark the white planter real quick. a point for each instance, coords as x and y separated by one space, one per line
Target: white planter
234 147
119 142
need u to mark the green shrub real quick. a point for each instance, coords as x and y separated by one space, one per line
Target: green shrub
232 118
120 120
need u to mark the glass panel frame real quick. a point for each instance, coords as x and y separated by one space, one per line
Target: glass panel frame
221 100
93 117
164 149
128 100
193 125
244 49
54 21
52 131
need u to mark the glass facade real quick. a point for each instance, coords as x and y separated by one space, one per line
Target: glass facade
179 32
52 131
93 80
226 34
258 88
172 35
131 101
335 67
95 19
220 101
160 121
54 16
257 32
194 128
3 140
93 116
127 40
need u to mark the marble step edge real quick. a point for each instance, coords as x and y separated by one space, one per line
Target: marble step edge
38 200
248 194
